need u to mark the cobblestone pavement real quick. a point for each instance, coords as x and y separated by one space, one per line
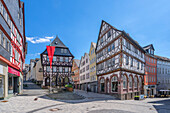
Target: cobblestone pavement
27 104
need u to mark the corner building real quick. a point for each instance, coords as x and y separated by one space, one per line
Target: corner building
12 47
120 63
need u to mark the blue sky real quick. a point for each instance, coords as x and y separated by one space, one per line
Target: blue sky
77 23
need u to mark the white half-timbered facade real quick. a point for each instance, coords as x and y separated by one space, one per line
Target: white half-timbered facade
120 63
61 65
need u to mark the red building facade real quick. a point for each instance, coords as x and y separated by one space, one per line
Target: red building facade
150 77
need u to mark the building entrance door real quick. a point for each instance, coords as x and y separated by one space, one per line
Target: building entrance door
16 86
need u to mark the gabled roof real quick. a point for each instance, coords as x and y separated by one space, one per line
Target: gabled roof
162 58
77 61
58 46
148 47
94 44
133 41
124 33
57 43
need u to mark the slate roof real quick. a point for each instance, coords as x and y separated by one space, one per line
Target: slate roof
148 46
162 58
57 43
58 46
124 33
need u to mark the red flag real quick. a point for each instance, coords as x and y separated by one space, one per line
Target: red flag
50 50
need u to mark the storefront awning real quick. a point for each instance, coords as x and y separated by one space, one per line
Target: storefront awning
13 71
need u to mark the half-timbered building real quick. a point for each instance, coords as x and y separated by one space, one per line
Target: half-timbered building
60 74
120 63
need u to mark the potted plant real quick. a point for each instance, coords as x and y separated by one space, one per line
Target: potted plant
136 97
69 87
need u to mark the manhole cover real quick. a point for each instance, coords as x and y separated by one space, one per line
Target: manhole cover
54 109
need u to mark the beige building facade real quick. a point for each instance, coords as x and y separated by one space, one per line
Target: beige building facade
92 67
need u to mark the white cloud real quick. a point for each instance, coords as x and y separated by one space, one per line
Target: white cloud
39 40
33 55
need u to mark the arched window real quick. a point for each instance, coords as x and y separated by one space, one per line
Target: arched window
124 82
102 85
130 81
136 82
140 82
114 84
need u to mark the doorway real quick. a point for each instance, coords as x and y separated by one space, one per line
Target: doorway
16 86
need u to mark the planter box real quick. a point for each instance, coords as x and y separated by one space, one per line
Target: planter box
69 89
136 98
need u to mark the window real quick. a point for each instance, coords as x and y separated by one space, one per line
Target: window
113 46
109 49
62 50
7 45
131 62
54 58
66 59
47 58
48 68
66 69
86 60
65 50
130 81
127 60
124 82
114 84
135 80
138 66
60 69
61 59
54 69
140 82
4 42
108 34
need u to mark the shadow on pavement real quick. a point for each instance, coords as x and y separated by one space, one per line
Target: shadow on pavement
84 100
35 110
162 106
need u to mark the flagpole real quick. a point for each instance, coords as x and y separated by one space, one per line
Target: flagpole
50 73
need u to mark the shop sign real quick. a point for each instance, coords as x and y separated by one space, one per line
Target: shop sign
13 71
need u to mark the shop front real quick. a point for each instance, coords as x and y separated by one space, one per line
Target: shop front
150 90
3 80
13 81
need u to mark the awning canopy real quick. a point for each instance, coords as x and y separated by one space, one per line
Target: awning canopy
164 90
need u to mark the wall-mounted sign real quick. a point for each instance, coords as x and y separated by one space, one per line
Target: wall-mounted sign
13 71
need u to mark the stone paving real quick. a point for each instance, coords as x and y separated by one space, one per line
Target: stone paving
28 104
